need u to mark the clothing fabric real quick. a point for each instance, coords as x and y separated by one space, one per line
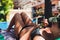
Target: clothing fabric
8 35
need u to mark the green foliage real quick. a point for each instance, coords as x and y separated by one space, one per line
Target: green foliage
5 6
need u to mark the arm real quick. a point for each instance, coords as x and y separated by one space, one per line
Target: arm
10 25
26 36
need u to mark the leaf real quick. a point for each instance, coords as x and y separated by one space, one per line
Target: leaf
5 6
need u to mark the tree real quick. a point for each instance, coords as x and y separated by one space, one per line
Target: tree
5 6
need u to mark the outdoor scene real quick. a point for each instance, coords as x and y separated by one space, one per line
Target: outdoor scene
29 19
